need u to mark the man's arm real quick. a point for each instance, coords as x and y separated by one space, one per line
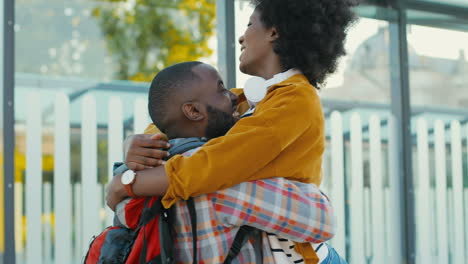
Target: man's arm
142 151
289 209
148 182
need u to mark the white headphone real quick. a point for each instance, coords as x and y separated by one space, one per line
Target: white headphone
256 88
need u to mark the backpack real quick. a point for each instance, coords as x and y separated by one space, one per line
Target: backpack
117 243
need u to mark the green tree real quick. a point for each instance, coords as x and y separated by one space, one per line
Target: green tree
145 36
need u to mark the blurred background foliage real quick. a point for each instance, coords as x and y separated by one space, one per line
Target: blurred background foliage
145 36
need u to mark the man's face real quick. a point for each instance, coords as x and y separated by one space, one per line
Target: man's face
220 103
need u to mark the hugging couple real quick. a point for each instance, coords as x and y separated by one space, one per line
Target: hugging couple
259 164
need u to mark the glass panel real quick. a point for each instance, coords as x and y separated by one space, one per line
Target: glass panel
101 49
358 78
438 67
439 101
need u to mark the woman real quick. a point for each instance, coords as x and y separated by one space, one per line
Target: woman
294 45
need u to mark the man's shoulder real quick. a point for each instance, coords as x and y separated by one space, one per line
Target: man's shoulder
190 152
186 146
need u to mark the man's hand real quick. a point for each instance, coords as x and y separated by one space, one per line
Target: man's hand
144 151
115 192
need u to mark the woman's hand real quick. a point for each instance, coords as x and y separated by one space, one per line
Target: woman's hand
115 192
144 151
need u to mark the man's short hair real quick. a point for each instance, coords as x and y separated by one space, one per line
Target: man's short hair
164 85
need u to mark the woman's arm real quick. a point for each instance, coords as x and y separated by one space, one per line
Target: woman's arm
251 149
144 151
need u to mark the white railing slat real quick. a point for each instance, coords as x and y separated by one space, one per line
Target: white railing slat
337 181
77 223
140 116
466 222
466 202
357 250
62 185
47 223
395 253
423 206
19 230
90 198
376 175
441 192
33 179
450 227
115 143
102 216
326 181
388 225
457 183
367 221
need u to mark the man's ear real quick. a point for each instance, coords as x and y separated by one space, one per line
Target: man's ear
194 111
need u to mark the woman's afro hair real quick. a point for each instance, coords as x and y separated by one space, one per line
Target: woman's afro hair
311 33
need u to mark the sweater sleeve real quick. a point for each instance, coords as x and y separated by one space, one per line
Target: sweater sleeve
246 152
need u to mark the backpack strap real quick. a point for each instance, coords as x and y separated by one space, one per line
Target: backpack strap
257 244
166 232
167 217
193 221
144 250
242 236
166 228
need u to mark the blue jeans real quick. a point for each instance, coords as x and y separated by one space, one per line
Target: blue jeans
333 257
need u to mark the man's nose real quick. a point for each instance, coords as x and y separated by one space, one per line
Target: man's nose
241 39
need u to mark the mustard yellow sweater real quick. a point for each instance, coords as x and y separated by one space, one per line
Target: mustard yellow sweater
285 137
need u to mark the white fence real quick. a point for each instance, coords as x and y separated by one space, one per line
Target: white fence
62 218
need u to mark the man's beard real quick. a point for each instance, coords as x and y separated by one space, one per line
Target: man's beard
219 122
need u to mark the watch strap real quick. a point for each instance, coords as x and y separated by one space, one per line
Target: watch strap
128 188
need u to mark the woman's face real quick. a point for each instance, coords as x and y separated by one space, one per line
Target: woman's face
256 45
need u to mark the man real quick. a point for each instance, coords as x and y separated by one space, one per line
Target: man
190 100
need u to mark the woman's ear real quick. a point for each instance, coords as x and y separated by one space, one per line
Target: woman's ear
194 111
273 34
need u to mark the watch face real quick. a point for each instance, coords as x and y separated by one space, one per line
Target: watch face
128 177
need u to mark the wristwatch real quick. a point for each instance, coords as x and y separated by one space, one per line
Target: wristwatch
128 178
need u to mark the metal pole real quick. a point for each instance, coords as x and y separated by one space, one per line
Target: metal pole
401 110
226 41
8 128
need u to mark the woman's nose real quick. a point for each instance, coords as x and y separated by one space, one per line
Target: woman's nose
234 98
